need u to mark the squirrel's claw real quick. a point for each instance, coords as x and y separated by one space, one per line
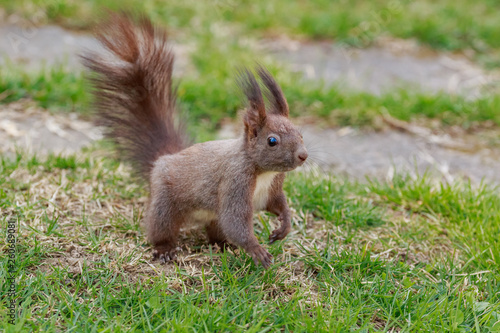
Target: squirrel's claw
278 234
261 255
165 256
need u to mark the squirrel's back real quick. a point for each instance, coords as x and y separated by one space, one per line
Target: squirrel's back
133 91
197 171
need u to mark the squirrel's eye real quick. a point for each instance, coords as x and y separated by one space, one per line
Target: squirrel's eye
272 141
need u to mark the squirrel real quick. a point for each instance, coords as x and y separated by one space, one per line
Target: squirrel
216 184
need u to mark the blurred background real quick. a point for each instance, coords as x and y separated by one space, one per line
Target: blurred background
376 86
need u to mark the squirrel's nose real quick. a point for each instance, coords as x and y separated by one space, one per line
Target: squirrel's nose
303 156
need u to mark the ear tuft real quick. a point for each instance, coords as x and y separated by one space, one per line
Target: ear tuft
255 116
273 92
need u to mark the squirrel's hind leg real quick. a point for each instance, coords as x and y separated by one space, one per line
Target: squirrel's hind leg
215 235
163 230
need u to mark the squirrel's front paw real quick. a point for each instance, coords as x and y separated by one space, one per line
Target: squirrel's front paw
278 234
164 254
259 254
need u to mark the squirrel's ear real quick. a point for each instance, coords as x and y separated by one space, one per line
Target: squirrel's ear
255 116
273 93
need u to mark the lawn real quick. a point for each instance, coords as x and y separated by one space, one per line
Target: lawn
407 254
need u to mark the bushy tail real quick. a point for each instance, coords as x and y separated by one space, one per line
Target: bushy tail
132 83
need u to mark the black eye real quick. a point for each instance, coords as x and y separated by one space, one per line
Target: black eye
272 141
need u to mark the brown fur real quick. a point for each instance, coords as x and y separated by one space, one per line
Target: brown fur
218 184
132 83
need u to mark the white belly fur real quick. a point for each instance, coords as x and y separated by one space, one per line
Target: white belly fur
198 218
261 193
203 215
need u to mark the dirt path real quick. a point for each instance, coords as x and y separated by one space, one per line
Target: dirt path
385 66
23 125
36 47
344 151
358 154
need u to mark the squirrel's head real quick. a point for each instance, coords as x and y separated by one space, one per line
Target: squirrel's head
272 141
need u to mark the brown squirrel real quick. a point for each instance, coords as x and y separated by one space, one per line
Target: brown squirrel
218 184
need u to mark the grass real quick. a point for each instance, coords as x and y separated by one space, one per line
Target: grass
55 88
450 25
211 96
406 255
208 95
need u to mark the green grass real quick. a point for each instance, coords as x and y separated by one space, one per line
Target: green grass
334 105
409 255
451 25
55 88
211 96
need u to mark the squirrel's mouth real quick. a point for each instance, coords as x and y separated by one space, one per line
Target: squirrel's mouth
296 165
